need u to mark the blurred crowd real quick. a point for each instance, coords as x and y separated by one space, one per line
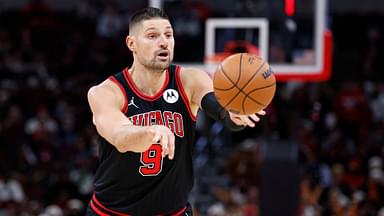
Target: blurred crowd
48 146
339 133
48 60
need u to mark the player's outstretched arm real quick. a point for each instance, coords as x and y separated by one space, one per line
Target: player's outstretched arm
201 87
105 101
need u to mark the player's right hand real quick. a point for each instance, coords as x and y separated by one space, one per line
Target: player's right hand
164 136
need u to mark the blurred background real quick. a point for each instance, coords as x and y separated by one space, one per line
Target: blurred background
319 151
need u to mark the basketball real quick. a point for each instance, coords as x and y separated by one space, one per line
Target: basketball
244 83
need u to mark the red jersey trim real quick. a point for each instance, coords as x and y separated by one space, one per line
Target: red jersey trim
123 109
179 213
104 208
98 212
183 95
141 94
99 208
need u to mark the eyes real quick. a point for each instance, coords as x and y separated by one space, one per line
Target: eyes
155 35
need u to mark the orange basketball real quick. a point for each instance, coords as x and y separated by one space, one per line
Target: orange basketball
244 83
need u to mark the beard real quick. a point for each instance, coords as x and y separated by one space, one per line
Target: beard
157 65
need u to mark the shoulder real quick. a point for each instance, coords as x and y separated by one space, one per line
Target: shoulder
106 91
194 71
107 86
192 75
196 83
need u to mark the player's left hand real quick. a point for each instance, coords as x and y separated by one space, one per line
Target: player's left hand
246 120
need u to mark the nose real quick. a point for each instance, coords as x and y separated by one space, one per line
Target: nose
163 42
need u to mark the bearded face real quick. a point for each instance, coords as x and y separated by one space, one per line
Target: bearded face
153 44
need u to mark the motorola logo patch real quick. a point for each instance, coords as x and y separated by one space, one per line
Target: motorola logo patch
170 96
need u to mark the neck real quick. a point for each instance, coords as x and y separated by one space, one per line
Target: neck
149 81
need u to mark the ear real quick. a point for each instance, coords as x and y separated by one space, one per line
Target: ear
130 41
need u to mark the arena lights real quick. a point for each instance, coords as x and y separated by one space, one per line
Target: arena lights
290 7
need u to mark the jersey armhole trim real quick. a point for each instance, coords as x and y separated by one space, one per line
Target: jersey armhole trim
183 94
124 108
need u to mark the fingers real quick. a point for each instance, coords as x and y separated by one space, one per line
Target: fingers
248 121
254 117
156 137
261 112
171 146
164 144
164 137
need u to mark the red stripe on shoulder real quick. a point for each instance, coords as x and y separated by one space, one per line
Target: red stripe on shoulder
105 208
124 108
183 94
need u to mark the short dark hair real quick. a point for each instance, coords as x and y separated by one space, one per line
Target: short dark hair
146 14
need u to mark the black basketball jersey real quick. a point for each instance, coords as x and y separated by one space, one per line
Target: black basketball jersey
145 183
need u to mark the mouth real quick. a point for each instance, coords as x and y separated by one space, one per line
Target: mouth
163 55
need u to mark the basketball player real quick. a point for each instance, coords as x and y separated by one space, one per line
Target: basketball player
146 117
